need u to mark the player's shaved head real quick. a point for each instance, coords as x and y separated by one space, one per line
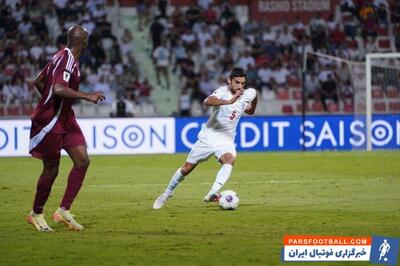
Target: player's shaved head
77 36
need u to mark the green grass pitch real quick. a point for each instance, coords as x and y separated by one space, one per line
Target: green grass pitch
315 193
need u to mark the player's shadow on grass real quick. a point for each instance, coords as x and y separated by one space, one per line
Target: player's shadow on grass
241 206
214 207
59 227
251 204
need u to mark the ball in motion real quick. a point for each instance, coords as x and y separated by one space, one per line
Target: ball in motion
229 200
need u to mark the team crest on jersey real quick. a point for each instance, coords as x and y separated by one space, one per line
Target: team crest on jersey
67 76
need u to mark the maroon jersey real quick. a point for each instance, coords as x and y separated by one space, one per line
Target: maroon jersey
55 113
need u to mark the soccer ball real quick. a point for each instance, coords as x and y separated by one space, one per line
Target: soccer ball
228 200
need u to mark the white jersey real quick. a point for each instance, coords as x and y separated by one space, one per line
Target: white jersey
221 126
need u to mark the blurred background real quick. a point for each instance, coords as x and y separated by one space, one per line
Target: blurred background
163 57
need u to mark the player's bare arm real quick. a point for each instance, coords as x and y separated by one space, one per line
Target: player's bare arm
214 101
252 106
63 91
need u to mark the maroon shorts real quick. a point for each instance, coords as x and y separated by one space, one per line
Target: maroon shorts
50 147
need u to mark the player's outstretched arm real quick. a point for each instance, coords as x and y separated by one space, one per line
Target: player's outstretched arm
214 101
252 106
63 91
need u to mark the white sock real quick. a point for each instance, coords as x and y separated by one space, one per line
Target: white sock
222 176
175 180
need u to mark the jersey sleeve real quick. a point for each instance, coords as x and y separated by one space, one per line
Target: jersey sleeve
63 69
219 93
249 94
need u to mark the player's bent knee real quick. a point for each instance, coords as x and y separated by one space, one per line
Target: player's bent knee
227 158
82 164
52 173
185 171
50 169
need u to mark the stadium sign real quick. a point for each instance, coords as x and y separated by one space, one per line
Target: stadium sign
170 135
129 136
289 133
279 11
103 136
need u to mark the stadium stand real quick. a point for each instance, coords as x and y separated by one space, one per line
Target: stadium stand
276 51
203 40
28 40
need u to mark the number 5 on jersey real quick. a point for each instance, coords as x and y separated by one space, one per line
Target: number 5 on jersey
232 115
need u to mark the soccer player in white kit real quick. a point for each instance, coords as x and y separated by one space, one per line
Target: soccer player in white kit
217 137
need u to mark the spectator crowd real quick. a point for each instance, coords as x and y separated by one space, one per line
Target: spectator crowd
31 32
199 44
204 41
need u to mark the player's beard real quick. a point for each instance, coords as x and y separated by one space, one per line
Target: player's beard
234 90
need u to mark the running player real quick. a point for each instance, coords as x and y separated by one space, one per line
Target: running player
217 137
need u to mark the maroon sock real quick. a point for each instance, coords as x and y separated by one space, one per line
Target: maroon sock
75 180
43 189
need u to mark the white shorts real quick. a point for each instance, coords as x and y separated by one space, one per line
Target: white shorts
202 151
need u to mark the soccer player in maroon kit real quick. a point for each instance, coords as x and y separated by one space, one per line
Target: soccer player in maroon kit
54 127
